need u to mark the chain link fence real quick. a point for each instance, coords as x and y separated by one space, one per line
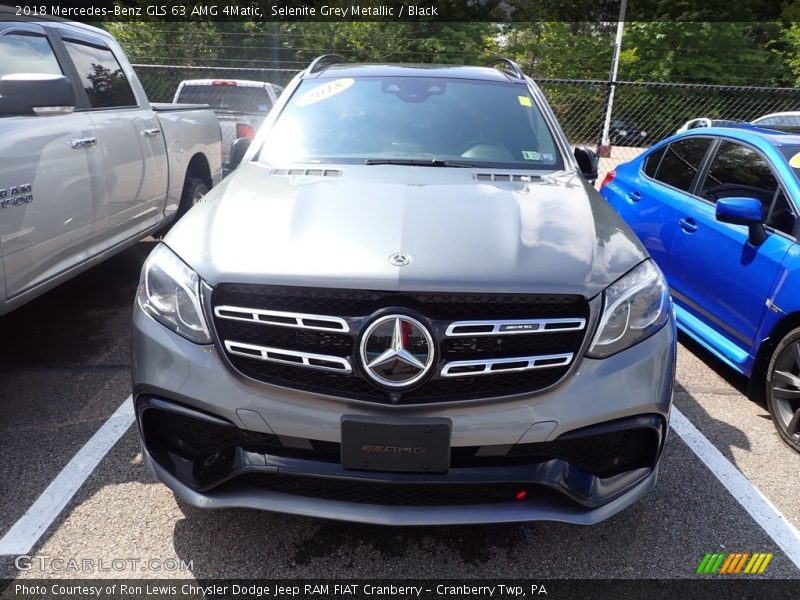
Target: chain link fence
161 81
642 113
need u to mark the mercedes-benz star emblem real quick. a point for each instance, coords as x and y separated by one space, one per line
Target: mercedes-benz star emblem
396 351
398 259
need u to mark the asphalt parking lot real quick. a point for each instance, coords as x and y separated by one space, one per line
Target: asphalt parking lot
64 370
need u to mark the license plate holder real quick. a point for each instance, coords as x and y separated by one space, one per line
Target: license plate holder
404 446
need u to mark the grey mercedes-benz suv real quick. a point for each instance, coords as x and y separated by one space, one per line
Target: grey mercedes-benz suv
406 305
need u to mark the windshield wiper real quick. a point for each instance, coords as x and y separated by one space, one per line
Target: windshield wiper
419 162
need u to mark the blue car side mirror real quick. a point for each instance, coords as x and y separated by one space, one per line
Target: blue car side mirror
740 211
743 211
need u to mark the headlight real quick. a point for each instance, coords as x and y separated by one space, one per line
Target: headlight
169 291
634 308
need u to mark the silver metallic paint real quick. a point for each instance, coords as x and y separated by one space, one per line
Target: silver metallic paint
464 235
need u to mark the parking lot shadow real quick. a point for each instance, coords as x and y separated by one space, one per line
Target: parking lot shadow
78 322
736 380
720 402
726 436
295 546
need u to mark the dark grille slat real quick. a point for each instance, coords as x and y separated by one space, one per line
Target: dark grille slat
532 344
440 309
434 390
434 305
367 492
305 340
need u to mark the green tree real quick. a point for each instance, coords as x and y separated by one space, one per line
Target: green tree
560 50
188 43
696 52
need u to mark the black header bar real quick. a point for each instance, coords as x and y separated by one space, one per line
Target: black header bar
407 10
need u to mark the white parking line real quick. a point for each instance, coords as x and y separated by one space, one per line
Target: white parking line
22 537
754 502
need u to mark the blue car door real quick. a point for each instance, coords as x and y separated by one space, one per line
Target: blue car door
721 280
650 200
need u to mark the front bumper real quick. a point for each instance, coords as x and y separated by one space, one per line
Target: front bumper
541 509
281 455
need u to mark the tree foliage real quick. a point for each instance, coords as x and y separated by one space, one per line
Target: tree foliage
686 51
722 53
296 43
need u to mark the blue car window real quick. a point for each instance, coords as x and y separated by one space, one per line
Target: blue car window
652 161
792 156
740 171
781 215
681 161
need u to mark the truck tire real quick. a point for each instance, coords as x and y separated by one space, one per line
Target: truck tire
194 189
783 388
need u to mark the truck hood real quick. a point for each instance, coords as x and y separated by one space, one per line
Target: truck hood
339 227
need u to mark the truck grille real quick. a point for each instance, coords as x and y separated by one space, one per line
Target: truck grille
486 345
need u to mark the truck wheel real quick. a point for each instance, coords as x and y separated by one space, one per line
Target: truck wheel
783 388
193 190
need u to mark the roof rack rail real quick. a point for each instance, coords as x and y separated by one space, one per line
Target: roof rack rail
323 60
508 65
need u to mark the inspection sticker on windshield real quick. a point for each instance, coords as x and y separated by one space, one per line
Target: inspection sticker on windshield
325 91
531 155
794 162
524 100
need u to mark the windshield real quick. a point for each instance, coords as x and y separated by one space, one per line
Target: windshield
227 97
381 119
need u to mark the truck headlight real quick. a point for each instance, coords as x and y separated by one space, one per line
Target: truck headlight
169 291
634 308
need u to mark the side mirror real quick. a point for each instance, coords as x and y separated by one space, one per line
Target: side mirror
743 211
238 150
36 93
587 162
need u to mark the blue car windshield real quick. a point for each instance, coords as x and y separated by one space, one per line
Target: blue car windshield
382 119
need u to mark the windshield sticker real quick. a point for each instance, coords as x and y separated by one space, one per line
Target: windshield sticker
531 155
794 162
262 108
325 91
547 156
524 100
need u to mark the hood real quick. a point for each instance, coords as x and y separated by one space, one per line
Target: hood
262 225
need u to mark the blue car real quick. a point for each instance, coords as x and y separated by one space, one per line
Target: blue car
717 208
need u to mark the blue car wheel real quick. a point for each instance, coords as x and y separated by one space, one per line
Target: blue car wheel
783 388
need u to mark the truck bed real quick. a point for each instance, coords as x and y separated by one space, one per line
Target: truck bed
171 106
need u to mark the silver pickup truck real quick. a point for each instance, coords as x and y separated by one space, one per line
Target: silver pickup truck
88 165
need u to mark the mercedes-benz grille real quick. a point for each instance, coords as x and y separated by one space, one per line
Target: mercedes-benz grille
486 345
